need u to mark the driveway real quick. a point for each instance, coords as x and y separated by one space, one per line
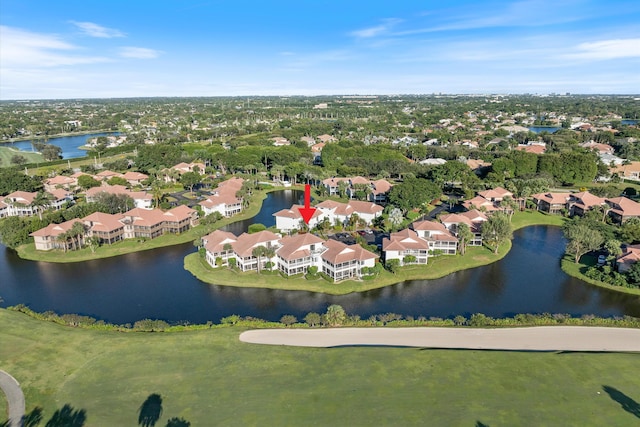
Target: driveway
539 338
15 399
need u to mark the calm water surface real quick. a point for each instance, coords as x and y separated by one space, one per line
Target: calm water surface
153 284
68 144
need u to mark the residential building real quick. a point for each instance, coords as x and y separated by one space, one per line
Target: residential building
405 243
135 178
438 237
630 256
141 199
341 261
223 198
245 244
299 252
218 246
54 236
549 202
107 227
621 209
331 211
288 220
473 218
627 170
60 181
580 203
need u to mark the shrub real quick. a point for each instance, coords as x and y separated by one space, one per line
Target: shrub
288 319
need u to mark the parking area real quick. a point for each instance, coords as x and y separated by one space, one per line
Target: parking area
372 237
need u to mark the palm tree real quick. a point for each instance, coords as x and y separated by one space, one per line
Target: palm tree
258 252
269 252
41 200
464 237
78 230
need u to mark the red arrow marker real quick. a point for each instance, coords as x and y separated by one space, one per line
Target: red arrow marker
307 212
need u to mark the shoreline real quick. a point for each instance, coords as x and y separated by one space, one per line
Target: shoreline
437 268
57 135
571 269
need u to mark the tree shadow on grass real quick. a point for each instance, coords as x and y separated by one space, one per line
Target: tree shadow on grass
481 424
67 416
33 418
627 403
178 422
150 411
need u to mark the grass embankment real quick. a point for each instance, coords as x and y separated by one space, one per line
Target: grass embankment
569 266
210 378
6 153
436 268
29 252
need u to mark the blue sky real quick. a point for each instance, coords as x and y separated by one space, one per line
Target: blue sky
87 49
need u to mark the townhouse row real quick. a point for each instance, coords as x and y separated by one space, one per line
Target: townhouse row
619 209
290 255
332 212
24 203
112 228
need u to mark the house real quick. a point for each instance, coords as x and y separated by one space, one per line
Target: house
380 191
341 261
245 244
438 237
288 220
299 252
405 243
621 209
223 198
481 203
366 211
218 247
180 219
333 184
535 148
59 197
326 138
479 167
580 203
53 236
135 178
107 175
473 218
630 256
496 194
627 170
143 223
189 167
60 181
4 209
106 227
598 147
280 141
19 203
141 199
549 202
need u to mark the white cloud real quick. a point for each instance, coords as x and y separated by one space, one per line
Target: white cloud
383 28
21 48
608 49
94 30
139 52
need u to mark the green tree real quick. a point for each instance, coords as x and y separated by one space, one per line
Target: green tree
312 319
335 315
581 239
288 320
413 192
18 159
118 180
392 265
41 201
78 230
87 181
190 180
497 230
465 236
258 252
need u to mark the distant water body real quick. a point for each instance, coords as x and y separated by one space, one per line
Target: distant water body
69 144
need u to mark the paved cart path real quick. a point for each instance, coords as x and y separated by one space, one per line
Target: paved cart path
539 338
15 399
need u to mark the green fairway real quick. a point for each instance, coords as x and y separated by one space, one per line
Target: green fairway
210 378
6 153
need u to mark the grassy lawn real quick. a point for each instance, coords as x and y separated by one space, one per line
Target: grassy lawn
437 267
526 218
210 378
577 270
6 153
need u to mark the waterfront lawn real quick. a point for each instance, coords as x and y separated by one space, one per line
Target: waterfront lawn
210 378
6 153
526 218
569 266
437 267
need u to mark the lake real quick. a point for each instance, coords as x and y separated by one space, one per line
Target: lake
549 129
68 144
154 284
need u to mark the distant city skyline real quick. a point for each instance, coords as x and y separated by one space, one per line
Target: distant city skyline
73 49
